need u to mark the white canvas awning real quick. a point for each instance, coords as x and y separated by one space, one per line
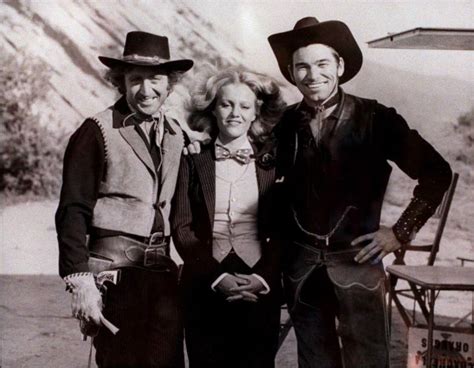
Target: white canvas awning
428 38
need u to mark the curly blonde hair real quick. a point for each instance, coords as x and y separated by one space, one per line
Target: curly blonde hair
269 107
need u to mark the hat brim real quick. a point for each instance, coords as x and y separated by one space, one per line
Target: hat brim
332 33
181 65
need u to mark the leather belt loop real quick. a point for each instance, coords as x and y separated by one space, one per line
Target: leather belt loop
157 238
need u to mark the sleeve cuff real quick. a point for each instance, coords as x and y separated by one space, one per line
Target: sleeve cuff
71 279
219 279
265 285
412 220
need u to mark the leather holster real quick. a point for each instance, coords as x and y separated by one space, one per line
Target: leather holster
116 252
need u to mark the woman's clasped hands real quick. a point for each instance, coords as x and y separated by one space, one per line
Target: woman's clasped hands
240 287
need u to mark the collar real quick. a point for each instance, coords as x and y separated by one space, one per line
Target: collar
338 112
158 116
304 107
306 112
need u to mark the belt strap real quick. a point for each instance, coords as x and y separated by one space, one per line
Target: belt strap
316 256
120 251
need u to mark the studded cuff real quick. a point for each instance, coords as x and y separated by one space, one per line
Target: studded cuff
413 219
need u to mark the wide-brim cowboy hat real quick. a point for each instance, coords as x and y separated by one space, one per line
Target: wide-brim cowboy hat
308 31
147 49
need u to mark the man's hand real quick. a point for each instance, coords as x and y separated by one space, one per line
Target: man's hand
193 148
86 302
198 139
383 242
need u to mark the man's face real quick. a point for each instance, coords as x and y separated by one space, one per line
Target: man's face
316 71
146 89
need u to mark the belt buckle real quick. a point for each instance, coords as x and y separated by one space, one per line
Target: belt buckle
321 255
154 251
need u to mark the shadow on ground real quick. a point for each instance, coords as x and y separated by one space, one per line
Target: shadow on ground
37 329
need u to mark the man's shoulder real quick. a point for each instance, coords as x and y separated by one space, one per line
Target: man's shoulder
174 128
366 102
104 117
289 114
173 122
114 116
291 109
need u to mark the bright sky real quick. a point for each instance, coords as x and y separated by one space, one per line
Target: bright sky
250 22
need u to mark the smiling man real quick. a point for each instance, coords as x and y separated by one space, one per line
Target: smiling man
120 172
333 170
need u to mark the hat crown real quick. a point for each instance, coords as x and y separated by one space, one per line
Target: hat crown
146 44
306 22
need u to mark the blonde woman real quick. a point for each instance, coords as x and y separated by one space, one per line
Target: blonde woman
222 225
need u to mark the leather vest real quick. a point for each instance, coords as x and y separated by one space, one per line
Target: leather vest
128 192
355 174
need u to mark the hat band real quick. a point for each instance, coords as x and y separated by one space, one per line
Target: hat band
145 59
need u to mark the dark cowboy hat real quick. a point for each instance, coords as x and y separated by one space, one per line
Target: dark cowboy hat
146 49
309 30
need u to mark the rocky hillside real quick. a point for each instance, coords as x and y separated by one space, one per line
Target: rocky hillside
69 35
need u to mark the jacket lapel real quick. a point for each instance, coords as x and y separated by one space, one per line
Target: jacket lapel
172 148
138 145
121 117
206 170
265 179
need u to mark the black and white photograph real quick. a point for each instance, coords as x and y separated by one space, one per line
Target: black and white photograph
236 184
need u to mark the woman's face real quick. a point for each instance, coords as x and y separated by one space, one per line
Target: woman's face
235 111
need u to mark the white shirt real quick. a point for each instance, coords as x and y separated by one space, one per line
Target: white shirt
236 212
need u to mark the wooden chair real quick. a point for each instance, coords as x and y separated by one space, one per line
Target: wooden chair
465 260
432 249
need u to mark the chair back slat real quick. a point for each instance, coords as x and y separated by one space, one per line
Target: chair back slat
416 293
443 218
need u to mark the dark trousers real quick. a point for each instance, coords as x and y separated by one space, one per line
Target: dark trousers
232 335
145 306
355 295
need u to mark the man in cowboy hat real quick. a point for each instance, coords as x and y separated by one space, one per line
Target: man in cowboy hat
332 166
120 172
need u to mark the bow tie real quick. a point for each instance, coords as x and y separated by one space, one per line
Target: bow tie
242 156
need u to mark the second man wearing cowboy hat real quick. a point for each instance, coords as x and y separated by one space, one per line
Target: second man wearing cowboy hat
333 171
120 172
